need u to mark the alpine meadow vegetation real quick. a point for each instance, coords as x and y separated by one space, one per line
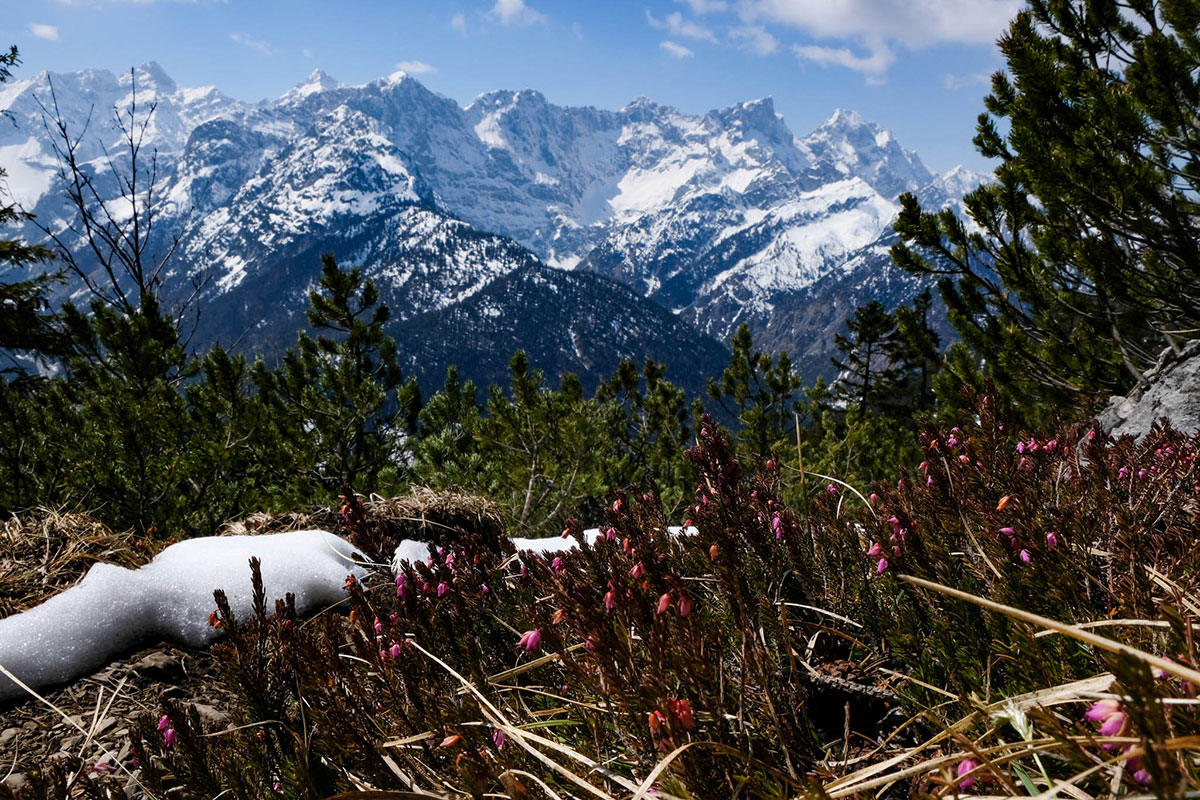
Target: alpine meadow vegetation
934 576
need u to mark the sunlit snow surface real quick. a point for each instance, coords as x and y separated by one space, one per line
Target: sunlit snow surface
112 608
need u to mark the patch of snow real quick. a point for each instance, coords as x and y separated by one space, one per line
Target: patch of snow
113 608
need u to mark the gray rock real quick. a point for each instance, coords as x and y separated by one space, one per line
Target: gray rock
1173 392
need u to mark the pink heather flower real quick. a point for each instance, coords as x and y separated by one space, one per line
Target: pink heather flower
442 589
1009 532
1102 710
881 566
1052 540
589 644
1141 474
169 737
401 585
530 640
1020 449
952 441
164 722
664 603
499 739
483 588
1092 434
1116 725
704 431
1025 556
557 565
900 485
1142 777
610 600
1023 463
685 605
874 498
103 768
638 570
1050 445
378 626
964 767
1123 473
777 526
395 650
876 550
831 489
616 505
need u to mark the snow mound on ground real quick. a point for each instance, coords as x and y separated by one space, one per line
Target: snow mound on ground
411 550
112 608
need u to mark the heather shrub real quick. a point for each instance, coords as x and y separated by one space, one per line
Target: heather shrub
766 650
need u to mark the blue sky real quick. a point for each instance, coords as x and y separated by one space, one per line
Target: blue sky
918 67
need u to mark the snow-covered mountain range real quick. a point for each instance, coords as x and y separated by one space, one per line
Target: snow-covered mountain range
466 216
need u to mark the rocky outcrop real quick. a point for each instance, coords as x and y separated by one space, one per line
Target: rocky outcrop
1173 391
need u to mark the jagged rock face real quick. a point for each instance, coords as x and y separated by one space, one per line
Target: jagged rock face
1172 391
720 218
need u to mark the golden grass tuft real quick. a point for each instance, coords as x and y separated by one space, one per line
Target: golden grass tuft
44 551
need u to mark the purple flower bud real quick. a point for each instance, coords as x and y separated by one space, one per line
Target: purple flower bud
169 737
1051 540
442 589
395 650
1025 556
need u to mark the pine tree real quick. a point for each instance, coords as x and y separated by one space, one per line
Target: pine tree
866 376
341 396
760 393
913 351
1085 261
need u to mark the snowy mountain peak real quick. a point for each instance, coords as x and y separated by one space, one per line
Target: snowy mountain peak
317 82
150 76
855 147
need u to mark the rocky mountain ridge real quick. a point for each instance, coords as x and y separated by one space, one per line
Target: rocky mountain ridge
721 218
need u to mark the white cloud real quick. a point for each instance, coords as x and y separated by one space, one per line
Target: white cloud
874 64
756 38
913 23
515 12
306 53
459 23
678 26
677 50
415 67
246 40
956 82
705 6
47 32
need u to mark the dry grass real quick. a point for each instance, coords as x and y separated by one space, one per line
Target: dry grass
45 551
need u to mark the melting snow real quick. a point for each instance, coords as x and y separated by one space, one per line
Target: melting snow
113 608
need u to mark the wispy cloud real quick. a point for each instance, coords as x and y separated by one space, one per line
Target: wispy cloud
913 23
415 67
47 32
755 38
676 50
459 23
515 12
577 29
678 26
246 40
955 82
874 64
705 6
